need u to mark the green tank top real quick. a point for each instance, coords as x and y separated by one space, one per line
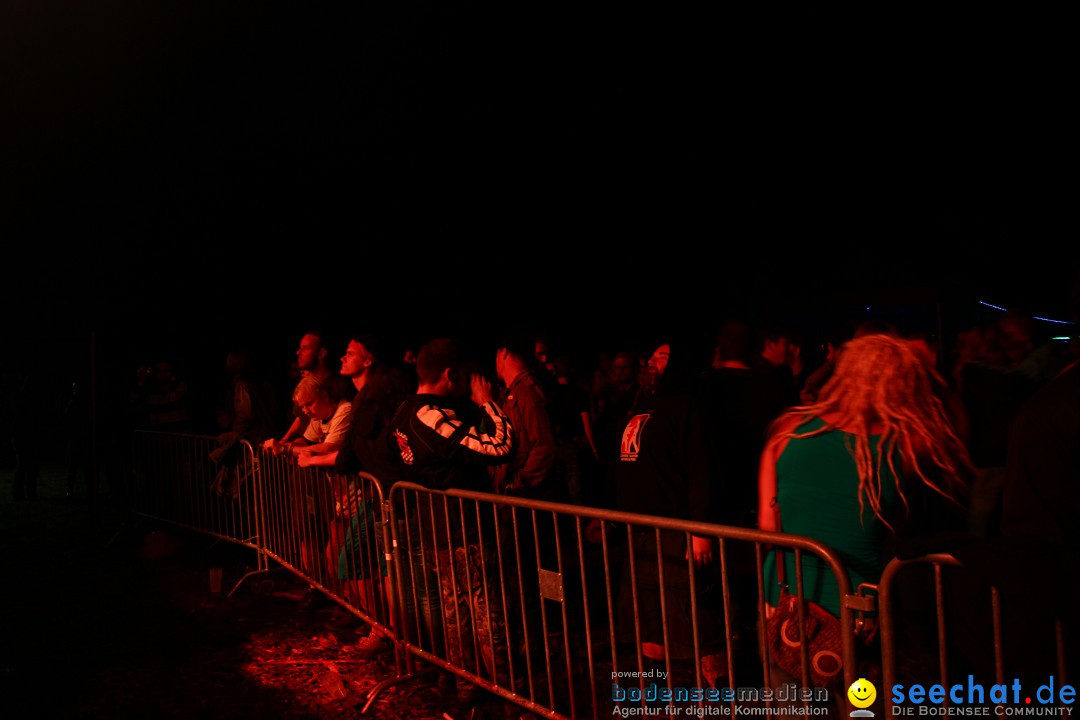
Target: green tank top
818 493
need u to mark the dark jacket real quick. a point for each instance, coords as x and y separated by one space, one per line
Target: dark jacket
369 446
534 443
440 451
664 465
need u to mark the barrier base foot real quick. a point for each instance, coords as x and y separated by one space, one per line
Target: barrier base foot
249 574
374 693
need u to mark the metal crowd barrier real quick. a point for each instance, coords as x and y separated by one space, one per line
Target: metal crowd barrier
176 479
328 529
544 603
980 614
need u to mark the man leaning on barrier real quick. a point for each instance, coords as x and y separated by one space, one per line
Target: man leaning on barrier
329 419
442 451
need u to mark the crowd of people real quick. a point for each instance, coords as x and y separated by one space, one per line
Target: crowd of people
879 445
871 450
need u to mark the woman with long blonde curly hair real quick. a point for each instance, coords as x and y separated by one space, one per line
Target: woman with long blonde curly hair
876 449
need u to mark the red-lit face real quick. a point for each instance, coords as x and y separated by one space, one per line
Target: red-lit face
776 351
622 370
316 406
309 352
1015 340
659 360
355 360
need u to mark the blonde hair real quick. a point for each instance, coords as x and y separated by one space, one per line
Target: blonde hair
308 386
884 381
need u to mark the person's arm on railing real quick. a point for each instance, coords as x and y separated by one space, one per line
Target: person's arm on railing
314 442
310 459
303 446
292 433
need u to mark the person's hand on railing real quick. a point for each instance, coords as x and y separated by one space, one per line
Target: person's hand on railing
702 549
278 448
305 459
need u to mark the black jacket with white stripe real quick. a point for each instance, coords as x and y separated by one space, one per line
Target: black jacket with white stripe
441 451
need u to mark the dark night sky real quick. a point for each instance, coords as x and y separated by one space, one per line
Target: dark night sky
191 166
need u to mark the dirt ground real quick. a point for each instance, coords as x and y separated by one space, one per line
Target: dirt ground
104 617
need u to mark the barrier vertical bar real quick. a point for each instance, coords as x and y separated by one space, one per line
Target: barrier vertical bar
501 564
939 604
637 616
763 641
521 603
663 601
494 669
566 624
543 611
999 659
804 646
588 617
694 627
612 637
729 652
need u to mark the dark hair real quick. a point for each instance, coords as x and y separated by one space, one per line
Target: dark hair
371 344
733 341
437 356
628 355
773 333
319 334
520 346
681 375
384 390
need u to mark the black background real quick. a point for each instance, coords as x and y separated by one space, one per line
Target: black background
204 172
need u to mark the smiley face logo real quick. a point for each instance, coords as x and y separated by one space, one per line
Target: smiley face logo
862 693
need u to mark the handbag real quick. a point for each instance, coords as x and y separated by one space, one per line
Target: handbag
821 632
